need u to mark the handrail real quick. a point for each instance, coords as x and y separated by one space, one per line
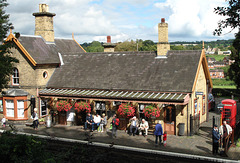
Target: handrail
227 142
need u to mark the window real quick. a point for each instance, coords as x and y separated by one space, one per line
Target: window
15 77
20 108
45 74
43 108
10 108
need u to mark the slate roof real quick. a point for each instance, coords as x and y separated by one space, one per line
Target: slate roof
135 71
41 52
47 53
67 46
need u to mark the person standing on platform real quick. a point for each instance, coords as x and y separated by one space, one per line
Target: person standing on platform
158 132
216 137
115 124
225 130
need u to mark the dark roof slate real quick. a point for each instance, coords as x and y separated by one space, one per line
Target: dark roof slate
41 52
47 53
136 71
68 46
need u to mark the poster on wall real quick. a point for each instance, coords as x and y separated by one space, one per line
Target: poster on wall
203 108
195 107
1 105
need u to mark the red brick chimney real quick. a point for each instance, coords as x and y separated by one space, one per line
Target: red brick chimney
108 39
109 47
163 20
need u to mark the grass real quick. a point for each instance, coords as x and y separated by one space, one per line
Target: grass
225 86
217 57
223 83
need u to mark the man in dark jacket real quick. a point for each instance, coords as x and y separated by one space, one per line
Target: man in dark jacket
216 137
115 124
158 132
89 121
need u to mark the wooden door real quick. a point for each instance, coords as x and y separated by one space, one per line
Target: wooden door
123 123
62 118
170 120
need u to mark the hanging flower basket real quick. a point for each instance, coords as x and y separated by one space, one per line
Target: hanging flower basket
82 106
126 110
63 105
151 111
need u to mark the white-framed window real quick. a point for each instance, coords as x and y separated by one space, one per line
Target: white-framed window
10 108
20 108
15 77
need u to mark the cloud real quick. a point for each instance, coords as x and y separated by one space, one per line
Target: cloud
122 19
191 18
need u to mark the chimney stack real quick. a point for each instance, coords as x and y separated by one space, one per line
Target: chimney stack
163 45
108 39
44 23
109 47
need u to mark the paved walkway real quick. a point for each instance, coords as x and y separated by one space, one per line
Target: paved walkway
200 144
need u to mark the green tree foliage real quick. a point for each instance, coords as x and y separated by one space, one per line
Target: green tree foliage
148 45
234 70
95 46
232 20
6 61
231 12
126 46
22 148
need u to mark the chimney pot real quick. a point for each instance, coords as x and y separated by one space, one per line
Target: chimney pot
163 20
108 39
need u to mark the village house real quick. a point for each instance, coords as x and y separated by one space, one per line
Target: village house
217 74
52 70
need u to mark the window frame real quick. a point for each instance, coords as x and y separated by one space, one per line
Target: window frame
15 99
15 75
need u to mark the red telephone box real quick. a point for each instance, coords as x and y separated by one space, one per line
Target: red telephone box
229 112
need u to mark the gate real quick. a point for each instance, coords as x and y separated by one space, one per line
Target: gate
194 124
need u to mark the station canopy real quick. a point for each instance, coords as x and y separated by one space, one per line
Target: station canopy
114 95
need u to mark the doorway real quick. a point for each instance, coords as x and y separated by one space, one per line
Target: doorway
170 119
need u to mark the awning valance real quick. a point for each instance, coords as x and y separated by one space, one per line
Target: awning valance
116 95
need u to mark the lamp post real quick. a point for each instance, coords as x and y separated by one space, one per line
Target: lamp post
33 103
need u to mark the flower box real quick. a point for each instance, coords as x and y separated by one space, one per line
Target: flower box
151 111
63 105
82 106
126 110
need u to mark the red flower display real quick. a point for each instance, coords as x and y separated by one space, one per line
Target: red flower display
151 110
126 110
63 105
82 106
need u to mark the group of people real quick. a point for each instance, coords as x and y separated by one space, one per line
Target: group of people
135 126
143 130
220 134
96 121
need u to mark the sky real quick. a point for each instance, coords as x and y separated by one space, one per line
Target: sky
93 20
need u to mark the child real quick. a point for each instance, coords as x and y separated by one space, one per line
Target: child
4 121
103 122
165 138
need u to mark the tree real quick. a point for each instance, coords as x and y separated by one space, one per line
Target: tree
232 20
234 70
6 61
95 46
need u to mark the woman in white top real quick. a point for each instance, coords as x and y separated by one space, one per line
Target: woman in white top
35 119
